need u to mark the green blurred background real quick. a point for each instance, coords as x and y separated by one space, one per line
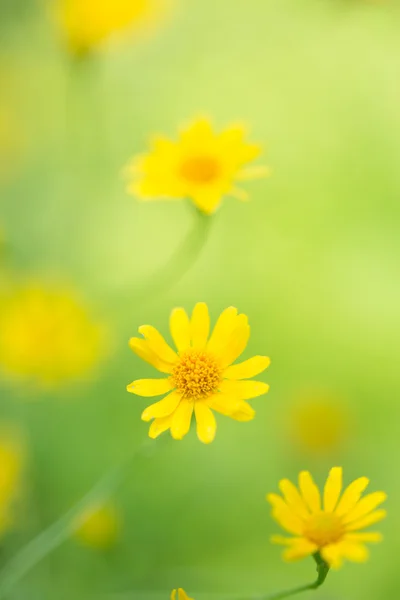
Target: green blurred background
313 260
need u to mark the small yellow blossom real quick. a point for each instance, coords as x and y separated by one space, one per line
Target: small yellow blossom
47 335
87 24
201 165
98 526
330 526
201 375
317 423
11 462
182 595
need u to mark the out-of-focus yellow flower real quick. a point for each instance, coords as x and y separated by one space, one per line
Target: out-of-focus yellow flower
201 375
182 595
98 526
201 165
11 462
332 527
87 24
47 336
317 422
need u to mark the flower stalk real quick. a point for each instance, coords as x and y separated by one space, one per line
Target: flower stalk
58 532
181 261
322 572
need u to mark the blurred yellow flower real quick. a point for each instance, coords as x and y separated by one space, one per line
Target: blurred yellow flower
11 462
182 595
201 376
201 165
87 24
332 529
47 335
317 422
98 526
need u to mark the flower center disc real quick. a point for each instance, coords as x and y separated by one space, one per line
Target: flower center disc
324 529
200 169
196 375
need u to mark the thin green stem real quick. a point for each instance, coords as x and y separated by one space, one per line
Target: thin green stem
52 537
322 572
181 260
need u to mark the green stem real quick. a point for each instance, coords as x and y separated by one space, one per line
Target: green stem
52 537
322 572
184 257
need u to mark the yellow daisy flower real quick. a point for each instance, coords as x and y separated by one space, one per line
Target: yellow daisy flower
98 526
201 165
47 335
332 528
201 375
182 595
87 24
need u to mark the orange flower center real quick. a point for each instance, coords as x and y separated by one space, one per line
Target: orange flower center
324 528
200 169
196 375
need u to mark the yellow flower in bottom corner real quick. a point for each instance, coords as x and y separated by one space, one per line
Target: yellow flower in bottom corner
98 526
201 165
47 336
332 526
182 595
200 375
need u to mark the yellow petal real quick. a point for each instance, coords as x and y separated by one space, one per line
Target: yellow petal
284 516
351 496
180 329
353 551
141 348
231 406
200 325
244 389
239 194
244 412
293 498
237 342
207 201
370 536
332 555
282 540
366 521
181 419
158 426
300 548
223 329
173 595
150 387
206 424
256 172
163 408
182 595
232 141
333 487
247 369
197 133
157 344
365 506
226 404
310 492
